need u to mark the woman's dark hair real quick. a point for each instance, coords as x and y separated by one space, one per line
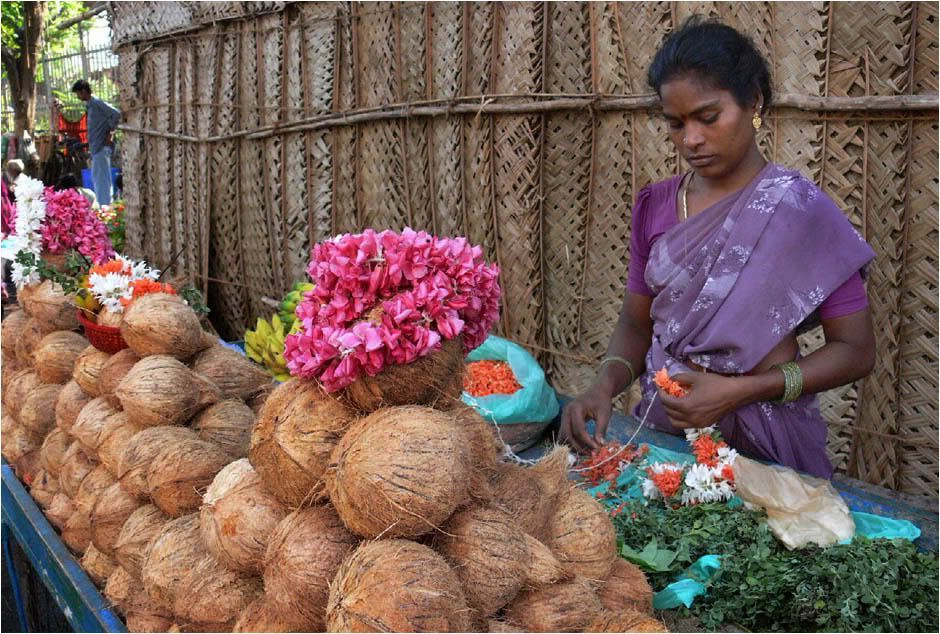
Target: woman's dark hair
66 181
714 52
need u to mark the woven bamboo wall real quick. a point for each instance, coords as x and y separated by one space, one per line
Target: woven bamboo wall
255 129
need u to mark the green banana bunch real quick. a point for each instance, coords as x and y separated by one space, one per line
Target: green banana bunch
290 301
265 345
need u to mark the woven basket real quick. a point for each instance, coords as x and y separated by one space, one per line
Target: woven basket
105 338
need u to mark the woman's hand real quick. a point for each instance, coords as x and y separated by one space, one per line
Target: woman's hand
709 398
594 404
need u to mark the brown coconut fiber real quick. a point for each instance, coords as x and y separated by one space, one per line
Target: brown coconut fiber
76 465
88 369
19 442
498 625
70 402
211 593
8 423
264 616
127 594
27 467
233 374
303 556
77 532
625 620
529 494
116 367
10 367
60 510
141 450
93 423
56 355
425 381
626 587
98 565
238 516
29 340
110 318
53 449
257 400
142 622
162 324
180 473
399 472
297 429
228 424
117 434
20 385
563 607
44 488
91 487
135 536
37 414
111 510
159 390
394 585
582 536
10 332
171 555
52 308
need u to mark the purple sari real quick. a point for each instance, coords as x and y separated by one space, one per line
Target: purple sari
731 282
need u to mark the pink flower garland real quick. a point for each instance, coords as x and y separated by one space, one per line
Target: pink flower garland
387 299
70 223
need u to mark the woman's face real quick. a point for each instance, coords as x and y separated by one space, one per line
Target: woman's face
711 131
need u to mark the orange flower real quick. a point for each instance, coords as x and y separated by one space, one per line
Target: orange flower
111 266
668 482
668 385
487 377
727 472
706 451
145 287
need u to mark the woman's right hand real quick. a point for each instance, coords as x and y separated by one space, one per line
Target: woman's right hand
594 404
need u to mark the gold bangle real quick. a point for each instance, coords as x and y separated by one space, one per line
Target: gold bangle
611 358
792 382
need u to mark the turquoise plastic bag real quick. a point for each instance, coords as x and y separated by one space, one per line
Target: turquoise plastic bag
536 402
690 584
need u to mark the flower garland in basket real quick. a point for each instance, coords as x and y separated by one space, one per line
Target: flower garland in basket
384 298
710 479
115 283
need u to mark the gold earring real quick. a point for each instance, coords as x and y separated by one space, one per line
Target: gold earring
757 121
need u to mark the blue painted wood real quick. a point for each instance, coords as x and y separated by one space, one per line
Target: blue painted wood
77 597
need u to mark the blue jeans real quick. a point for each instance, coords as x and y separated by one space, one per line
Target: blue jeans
101 174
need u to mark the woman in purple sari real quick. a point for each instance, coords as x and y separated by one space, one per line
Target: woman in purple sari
727 262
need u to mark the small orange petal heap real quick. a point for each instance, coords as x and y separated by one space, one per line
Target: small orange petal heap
668 385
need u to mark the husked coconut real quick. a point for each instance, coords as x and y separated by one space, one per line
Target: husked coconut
256 401
493 559
60 510
52 308
56 355
140 452
70 402
235 375
212 593
425 381
77 532
264 616
141 527
297 429
159 390
27 467
238 516
92 423
10 332
162 324
582 536
18 442
10 367
181 472
98 565
108 515
109 318
228 424
114 370
76 466
189 626
399 472
91 487
115 436
498 625
394 585
625 620
37 414
21 383
563 607
529 494
8 425
626 587
303 556
44 488
29 340
88 368
126 593
171 555
52 452
142 622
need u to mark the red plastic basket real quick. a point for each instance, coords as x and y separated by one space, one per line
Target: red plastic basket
105 338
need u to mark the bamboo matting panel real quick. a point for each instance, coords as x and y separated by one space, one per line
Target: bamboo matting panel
258 129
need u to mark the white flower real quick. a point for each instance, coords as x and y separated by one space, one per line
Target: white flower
693 433
726 455
109 289
29 188
703 484
23 276
649 489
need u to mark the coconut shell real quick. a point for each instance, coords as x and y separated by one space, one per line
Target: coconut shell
114 370
10 367
109 318
563 607
77 532
264 616
141 450
181 472
425 381
228 424
70 402
29 340
18 443
188 626
115 438
626 587
159 390
238 516
492 558
126 593
27 467
257 400
56 355
52 308
498 625
171 555
625 620
8 424
302 558
235 375
10 332
135 536
44 488
91 488
141 622
88 369
93 424
76 465
529 494
111 510
162 324
52 452
21 384
60 510
394 585
400 472
212 593
98 565
37 414
582 536
298 428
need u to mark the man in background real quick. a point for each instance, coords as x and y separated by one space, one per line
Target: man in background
102 120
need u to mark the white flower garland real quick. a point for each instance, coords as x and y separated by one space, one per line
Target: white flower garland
30 214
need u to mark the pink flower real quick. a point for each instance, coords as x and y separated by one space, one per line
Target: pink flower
71 224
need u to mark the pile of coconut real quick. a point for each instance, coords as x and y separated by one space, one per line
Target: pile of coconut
202 500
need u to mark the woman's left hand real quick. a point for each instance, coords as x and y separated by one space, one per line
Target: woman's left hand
709 398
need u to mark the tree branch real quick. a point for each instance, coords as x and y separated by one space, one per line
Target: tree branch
81 17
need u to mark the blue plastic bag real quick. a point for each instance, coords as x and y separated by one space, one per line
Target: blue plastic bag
536 402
